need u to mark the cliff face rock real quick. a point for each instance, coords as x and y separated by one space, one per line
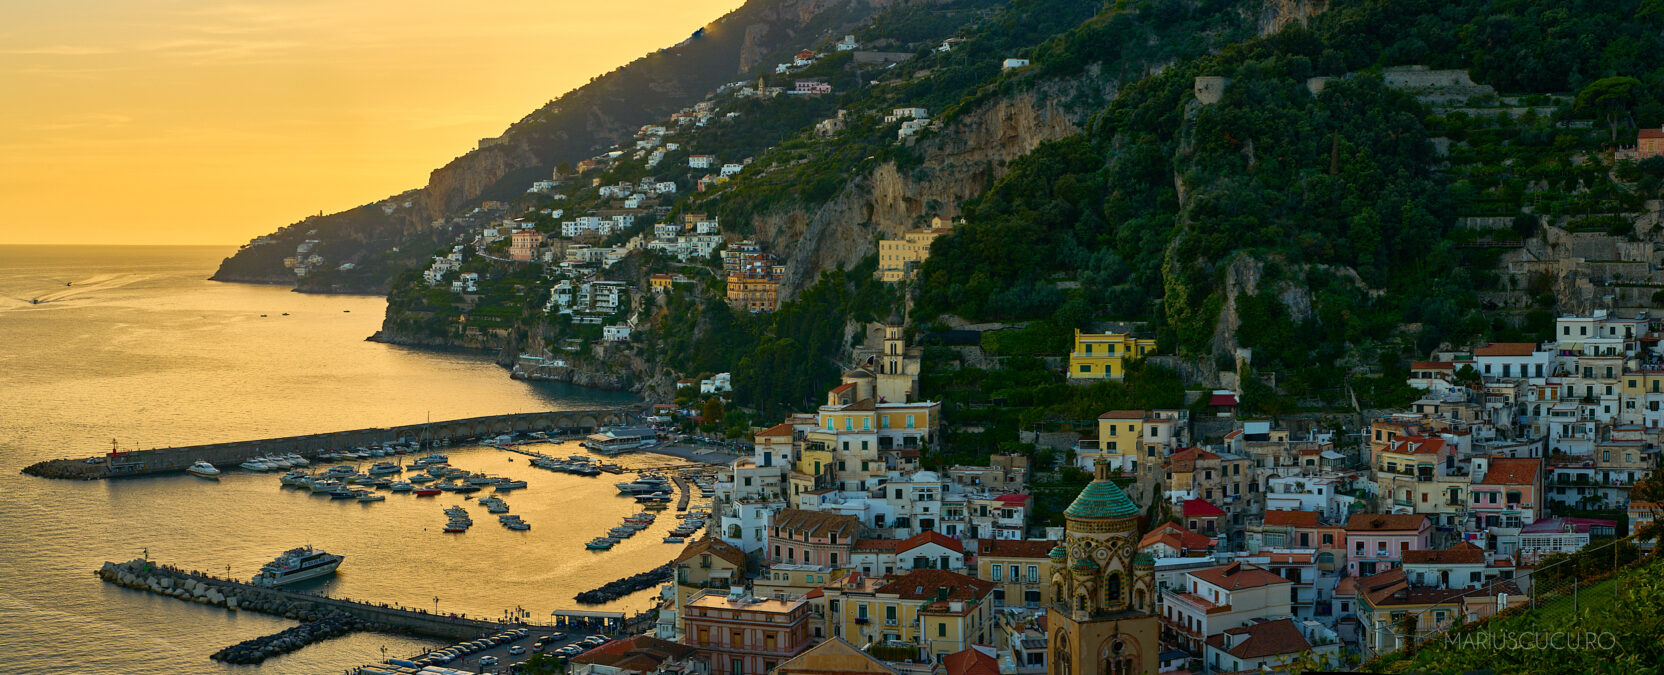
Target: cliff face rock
959 162
1275 15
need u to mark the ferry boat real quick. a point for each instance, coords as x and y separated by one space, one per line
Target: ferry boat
612 443
297 564
202 469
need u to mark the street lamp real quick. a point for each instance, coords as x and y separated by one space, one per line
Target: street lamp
436 604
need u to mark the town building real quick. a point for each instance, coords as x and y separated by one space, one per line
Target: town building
637 655
1378 541
1218 598
1268 646
740 635
899 259
1020 569
1103 356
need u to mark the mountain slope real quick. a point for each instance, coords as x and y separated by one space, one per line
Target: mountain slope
567 129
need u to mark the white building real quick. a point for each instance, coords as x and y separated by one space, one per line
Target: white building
616 333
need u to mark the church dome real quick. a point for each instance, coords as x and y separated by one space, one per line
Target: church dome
1101 500
1059 553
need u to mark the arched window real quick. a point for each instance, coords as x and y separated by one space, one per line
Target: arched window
1138 599
1060 654
1112 589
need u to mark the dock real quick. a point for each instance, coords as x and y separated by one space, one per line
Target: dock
190 586
682 487
229 455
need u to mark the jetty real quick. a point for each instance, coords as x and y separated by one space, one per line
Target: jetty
201 588
116 464
682 487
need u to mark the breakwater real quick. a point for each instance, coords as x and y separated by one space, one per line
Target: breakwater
230 454
205 589
264 647
614 590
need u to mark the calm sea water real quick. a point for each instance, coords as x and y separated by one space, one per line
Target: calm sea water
141 349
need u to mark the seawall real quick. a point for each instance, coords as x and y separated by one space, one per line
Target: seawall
229 455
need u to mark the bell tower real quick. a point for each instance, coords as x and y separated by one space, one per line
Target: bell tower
897 366
1103 618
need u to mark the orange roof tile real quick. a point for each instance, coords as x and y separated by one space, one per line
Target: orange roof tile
1385 522
1237 576
1176 537
1506 349
1463 553
1122 415
1015 548
924 585
781 429
1291 518
930 537
1513 471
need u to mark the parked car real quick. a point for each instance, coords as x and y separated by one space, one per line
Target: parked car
516 650
488 660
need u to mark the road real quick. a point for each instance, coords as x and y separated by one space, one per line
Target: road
471 662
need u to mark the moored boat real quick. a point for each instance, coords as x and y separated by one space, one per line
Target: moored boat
427 492
202 469
298 564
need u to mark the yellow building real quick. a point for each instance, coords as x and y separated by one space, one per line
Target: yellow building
754 293
834 656
899 259
1021 570
938 611
1103 356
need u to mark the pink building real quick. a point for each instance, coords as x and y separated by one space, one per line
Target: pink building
1376 542
745 635
1510 493
799 537
523 245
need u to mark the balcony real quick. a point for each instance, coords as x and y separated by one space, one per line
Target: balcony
862 621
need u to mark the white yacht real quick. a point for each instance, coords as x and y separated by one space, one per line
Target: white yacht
298 564
255 465
277 462
295 459
202 469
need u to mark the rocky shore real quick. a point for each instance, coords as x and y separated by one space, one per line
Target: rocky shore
267 646
614 590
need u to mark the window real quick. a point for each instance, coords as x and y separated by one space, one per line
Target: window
910 421
1085 368
994 573
942 630
1033 573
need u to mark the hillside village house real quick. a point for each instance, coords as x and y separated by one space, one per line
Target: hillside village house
899 259
1019 570
1384 599
1171 540
1103 356
1269 646
1378 541
1218 598
812 538
1509 494
943 612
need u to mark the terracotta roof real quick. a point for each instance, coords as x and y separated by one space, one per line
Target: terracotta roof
642 653
1291 518
1191 455
1122 415
1506 349
971 661
1237 576
1176 537
781 429
1226 400
1383 522
1013 498
930 537
1391 588
715 547
1418 445
842 388
817 523
1200 508
923 585
1463 553
868 545
1650 133
1015 548
1432 365
1259 640
1512 471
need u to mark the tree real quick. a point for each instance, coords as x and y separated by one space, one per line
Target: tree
713 410
1468 377
1609 97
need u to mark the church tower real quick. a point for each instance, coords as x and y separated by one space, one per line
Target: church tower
897 365
1103 620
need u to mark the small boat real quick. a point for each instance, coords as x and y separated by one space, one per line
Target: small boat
674 540
505 486
277 462
455 527
254 465
344 493
401 486
295 459
202 469
427 492
295 479
600 544
421 478
371 497
325 486
517 525
381 468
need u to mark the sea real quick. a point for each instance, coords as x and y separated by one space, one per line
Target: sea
132 347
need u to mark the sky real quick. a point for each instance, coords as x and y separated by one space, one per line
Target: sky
202 122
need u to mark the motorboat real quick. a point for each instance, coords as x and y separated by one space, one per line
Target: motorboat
517 525
654 497
600 544
345 493
297 564
341 470
455 527
294 459
371 497
382 468
674 540
295 479
202 469
421 478
401 486
507 485
324 486
277 462
427 492
433 458
254 465
481 479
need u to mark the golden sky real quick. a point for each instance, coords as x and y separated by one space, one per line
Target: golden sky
201 122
